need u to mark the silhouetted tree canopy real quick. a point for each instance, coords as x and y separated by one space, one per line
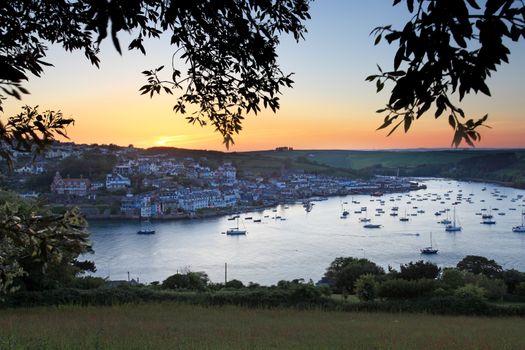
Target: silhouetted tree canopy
447 48
229 50
229 47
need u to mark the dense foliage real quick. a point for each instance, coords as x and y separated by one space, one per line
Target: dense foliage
39 250
447 47
228 48
344 272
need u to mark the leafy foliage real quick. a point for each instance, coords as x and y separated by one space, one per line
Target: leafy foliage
366 288
447 47
344 272
480 265
187 281
228 46
39 250
30 131
418 270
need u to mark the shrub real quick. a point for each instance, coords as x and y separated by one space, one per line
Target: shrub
512 279
344 272
88 282
520 289
189 281
366 288
494 289
479 264
235 284
405 289
470 291
453 278
419 270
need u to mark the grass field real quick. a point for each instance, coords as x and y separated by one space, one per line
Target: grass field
175 326
389 159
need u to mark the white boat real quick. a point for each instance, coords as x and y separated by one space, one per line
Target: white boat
235 231
404 218
520 228
429 250
146 228
453 227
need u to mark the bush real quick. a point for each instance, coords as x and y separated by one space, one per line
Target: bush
419 270
88 282
405 289
495 289
235 284
470 291
453 278
366 288
479 264
512 279
520 289
344 272
188 281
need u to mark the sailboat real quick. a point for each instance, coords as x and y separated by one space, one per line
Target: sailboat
235 231
520 228
488 219
345 212
453 227
146 228
429 250
404 218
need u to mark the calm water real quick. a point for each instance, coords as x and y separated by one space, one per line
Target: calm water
304 244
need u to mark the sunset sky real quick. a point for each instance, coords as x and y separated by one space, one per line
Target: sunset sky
330 106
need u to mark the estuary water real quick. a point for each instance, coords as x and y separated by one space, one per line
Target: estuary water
302 244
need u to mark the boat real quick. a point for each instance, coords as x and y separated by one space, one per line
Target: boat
404 218
429 250
520 228
235 231
453 227
145 232
372 226
257 220
488 219
146 228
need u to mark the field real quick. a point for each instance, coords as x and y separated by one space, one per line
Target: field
176 326
389 159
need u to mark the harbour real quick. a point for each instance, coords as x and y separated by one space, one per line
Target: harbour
309 238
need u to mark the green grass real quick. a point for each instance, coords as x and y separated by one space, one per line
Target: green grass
175 326
390 159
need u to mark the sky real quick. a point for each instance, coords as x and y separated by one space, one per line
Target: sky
329 107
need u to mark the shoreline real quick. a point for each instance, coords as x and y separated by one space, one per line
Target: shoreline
216 212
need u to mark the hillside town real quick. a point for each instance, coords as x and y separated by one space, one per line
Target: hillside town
126 182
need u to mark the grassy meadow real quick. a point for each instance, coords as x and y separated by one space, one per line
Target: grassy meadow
178 326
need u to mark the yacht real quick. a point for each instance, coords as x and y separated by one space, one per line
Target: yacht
235 231
429 250
453 227
146 228
520 228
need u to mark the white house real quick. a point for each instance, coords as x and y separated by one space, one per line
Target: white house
117 181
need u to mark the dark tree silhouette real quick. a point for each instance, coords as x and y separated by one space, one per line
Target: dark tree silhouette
228 46
447 48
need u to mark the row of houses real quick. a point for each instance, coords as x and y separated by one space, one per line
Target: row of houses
187 200
83 187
